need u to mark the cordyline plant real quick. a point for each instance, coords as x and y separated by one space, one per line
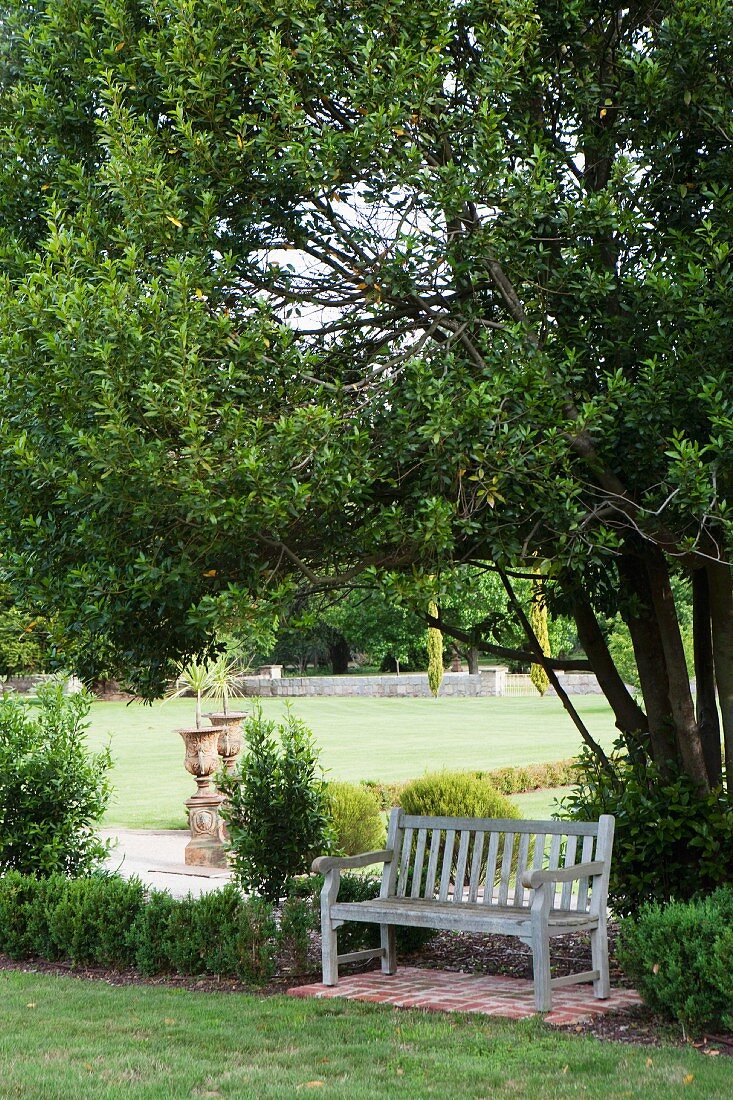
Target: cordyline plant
308 293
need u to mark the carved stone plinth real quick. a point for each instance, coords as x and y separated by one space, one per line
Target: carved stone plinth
206 847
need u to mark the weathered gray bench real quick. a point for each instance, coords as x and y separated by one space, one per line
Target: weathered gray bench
530 879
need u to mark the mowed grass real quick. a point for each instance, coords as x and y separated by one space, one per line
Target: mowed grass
69 1038
359 739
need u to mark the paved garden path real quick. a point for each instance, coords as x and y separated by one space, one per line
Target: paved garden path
156 856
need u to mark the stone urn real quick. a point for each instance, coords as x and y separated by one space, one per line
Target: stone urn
230 737
206 846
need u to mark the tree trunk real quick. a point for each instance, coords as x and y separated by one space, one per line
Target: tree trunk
706 706
721 610
682 708
650 662
339 654
630 718
473 657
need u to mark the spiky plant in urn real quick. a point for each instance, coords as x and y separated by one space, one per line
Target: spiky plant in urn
225 684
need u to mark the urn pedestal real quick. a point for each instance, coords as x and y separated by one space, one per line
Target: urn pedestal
206 847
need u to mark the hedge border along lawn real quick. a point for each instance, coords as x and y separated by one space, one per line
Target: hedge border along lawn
381 739
64 1037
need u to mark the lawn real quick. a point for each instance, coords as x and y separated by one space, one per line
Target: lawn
359 738
69 1038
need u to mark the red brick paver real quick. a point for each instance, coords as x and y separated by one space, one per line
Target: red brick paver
441 991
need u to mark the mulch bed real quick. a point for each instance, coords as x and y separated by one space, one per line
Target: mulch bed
459 952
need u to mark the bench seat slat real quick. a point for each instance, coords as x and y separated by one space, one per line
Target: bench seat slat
505 920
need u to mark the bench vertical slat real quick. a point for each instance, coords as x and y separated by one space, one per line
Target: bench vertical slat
450 839
538 859
521 868
555 846
432 863
506 867
394 835
585 857
461 865
478 851
491 868
404 862
419 860
567 888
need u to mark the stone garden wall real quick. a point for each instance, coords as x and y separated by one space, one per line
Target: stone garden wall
491 681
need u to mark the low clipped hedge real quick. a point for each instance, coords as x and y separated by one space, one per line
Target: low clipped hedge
679 957
509 780
108 921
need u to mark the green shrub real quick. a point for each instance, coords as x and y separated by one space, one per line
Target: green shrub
678 956
455 794
356 818
52 791
104 919
27 905
277 809
386 793
300 917
670 841
94 918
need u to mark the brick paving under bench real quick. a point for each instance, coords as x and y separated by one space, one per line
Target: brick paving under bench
443 991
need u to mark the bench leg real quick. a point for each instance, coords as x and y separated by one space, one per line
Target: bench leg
541 967
599 954
387 943
329 953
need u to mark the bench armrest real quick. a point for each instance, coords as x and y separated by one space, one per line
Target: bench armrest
322 864
533 879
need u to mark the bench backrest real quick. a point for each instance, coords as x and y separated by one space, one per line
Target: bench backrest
478 860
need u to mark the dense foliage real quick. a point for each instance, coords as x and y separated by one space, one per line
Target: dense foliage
356 818
678 957
107 921
53 791
670 841
277 805
455 794
346 291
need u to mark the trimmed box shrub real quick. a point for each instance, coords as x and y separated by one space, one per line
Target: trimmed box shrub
679 957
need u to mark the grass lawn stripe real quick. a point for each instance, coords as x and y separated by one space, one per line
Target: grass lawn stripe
70 1038
360 739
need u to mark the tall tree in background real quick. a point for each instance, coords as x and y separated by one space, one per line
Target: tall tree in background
373 288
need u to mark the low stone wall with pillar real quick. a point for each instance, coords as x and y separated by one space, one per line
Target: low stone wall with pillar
490 681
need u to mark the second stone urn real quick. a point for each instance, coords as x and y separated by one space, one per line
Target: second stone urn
206 847
229 744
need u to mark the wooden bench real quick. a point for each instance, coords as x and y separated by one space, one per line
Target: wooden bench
532 879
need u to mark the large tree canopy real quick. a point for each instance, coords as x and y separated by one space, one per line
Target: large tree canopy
327 290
